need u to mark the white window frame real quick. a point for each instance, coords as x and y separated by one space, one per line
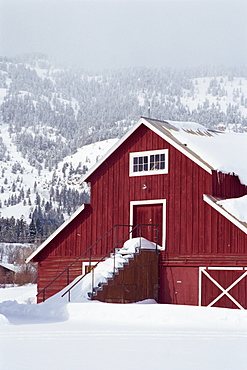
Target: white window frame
148 154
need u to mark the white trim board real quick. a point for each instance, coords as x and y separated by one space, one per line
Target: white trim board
147 202
224 213
224 291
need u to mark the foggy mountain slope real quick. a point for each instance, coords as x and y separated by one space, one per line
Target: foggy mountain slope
49 112
34 202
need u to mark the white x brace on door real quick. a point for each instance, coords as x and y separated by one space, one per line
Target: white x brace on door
205 271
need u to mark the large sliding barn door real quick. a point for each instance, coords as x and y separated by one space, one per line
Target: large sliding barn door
148 215
223 287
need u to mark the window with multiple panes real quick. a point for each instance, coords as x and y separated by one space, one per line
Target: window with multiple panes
149 163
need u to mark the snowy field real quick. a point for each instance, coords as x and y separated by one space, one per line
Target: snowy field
102 336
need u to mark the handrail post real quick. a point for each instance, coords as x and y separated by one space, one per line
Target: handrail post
114 236
114 262
141 226
90 259
68 276
92 283
157 237
44 295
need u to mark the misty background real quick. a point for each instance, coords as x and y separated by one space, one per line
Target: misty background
110 34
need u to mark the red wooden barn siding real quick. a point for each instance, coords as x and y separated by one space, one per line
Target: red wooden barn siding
218 237
192 226
227 185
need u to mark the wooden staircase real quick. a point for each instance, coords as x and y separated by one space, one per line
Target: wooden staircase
137 280
64 282
128 275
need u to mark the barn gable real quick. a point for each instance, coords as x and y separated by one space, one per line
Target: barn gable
158 175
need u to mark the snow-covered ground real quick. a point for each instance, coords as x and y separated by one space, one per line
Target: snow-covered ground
102 336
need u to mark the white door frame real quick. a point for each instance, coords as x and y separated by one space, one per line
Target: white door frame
148 202
202 270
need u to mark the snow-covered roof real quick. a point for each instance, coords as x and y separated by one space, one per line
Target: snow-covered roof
223 151
210 149
9 266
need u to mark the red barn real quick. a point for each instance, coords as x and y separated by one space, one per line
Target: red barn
175 180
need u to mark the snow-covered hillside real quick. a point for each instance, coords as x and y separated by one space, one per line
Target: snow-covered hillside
219 93
100 336
20 182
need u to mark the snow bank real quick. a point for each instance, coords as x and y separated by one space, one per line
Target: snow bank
3 320
16 307
43 312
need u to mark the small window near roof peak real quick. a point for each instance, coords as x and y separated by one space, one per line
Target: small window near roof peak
149 163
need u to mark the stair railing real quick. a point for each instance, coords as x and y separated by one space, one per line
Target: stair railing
137 227
89 250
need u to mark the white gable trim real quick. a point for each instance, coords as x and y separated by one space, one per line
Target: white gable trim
225 213
56 232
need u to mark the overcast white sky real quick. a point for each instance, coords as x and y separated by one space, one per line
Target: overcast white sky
122 33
